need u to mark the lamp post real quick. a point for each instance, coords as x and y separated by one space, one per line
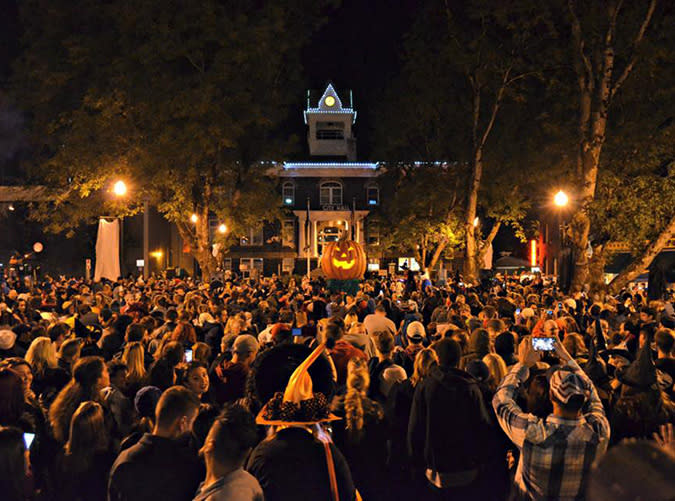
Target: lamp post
120 190
561 201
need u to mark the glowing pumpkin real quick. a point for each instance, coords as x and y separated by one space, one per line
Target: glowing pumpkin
343 260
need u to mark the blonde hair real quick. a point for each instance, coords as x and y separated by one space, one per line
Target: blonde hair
358 381
41 355
425 359
497 368
134 358
201 352
350 319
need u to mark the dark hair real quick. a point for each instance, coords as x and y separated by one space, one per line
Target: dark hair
175 403
115 367
58 330
135 332
333 332
207 415
232 435
449 352
173 353
664 340
538 402
82 387
171 315
12 464
384 342
11 397
87 436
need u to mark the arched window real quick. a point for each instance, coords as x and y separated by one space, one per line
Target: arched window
288 193
331 193
373 195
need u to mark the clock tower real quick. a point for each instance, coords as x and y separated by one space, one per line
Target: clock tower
330 126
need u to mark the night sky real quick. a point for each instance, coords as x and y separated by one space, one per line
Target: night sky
358 48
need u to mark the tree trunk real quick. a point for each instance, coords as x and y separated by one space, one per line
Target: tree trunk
596 90
471 247
642 262
596 269
197 238
438 253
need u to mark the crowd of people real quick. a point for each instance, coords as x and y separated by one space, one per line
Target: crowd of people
285 388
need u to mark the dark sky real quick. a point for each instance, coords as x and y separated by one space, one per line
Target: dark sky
358 48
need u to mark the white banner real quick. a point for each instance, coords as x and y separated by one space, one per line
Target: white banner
107 250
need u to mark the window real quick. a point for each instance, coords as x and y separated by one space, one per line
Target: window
252 237
373 233
331 193
227 263
288 233
288 193
251 266
330 130
329 134
373 195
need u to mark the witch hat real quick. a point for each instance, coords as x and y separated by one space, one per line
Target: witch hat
298 405
641 374
595 368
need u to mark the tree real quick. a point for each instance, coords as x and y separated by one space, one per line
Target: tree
607 42
464 62
183 99
423 210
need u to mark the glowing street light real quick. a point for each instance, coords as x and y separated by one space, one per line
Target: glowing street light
194 218
475 222
561 199
120 188
222 228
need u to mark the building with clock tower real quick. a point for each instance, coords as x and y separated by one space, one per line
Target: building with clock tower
328 196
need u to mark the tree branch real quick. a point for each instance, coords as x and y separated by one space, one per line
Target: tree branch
580 44
638 40
495 108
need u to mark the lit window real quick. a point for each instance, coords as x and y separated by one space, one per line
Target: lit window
331 193
288 193
252 237
252 266
373 195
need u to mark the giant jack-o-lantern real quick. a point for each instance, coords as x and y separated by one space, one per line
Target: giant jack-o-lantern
343 260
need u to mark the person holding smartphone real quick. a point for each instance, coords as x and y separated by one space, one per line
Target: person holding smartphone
562 446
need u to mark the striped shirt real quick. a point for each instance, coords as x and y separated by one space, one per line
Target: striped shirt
555 453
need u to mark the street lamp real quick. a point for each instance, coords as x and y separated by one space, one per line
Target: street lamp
120 188
561 199
222 228
194 218
475 222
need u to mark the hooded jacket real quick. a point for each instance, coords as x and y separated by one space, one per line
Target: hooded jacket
450 429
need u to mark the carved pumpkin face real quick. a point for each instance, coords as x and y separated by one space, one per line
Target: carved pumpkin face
344 255
343 260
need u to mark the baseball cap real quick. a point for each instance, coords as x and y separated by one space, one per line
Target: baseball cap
565 384
245 343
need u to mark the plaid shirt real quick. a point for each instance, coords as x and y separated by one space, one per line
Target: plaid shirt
556 453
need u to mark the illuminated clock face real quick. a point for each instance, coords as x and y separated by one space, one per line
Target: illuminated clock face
329 101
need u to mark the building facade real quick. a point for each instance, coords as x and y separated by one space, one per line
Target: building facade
324 198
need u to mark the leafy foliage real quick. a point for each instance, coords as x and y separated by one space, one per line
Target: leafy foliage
182 99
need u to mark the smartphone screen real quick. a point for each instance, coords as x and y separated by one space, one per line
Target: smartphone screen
28 439
543 343
517 311
297 331
560 306
188 355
